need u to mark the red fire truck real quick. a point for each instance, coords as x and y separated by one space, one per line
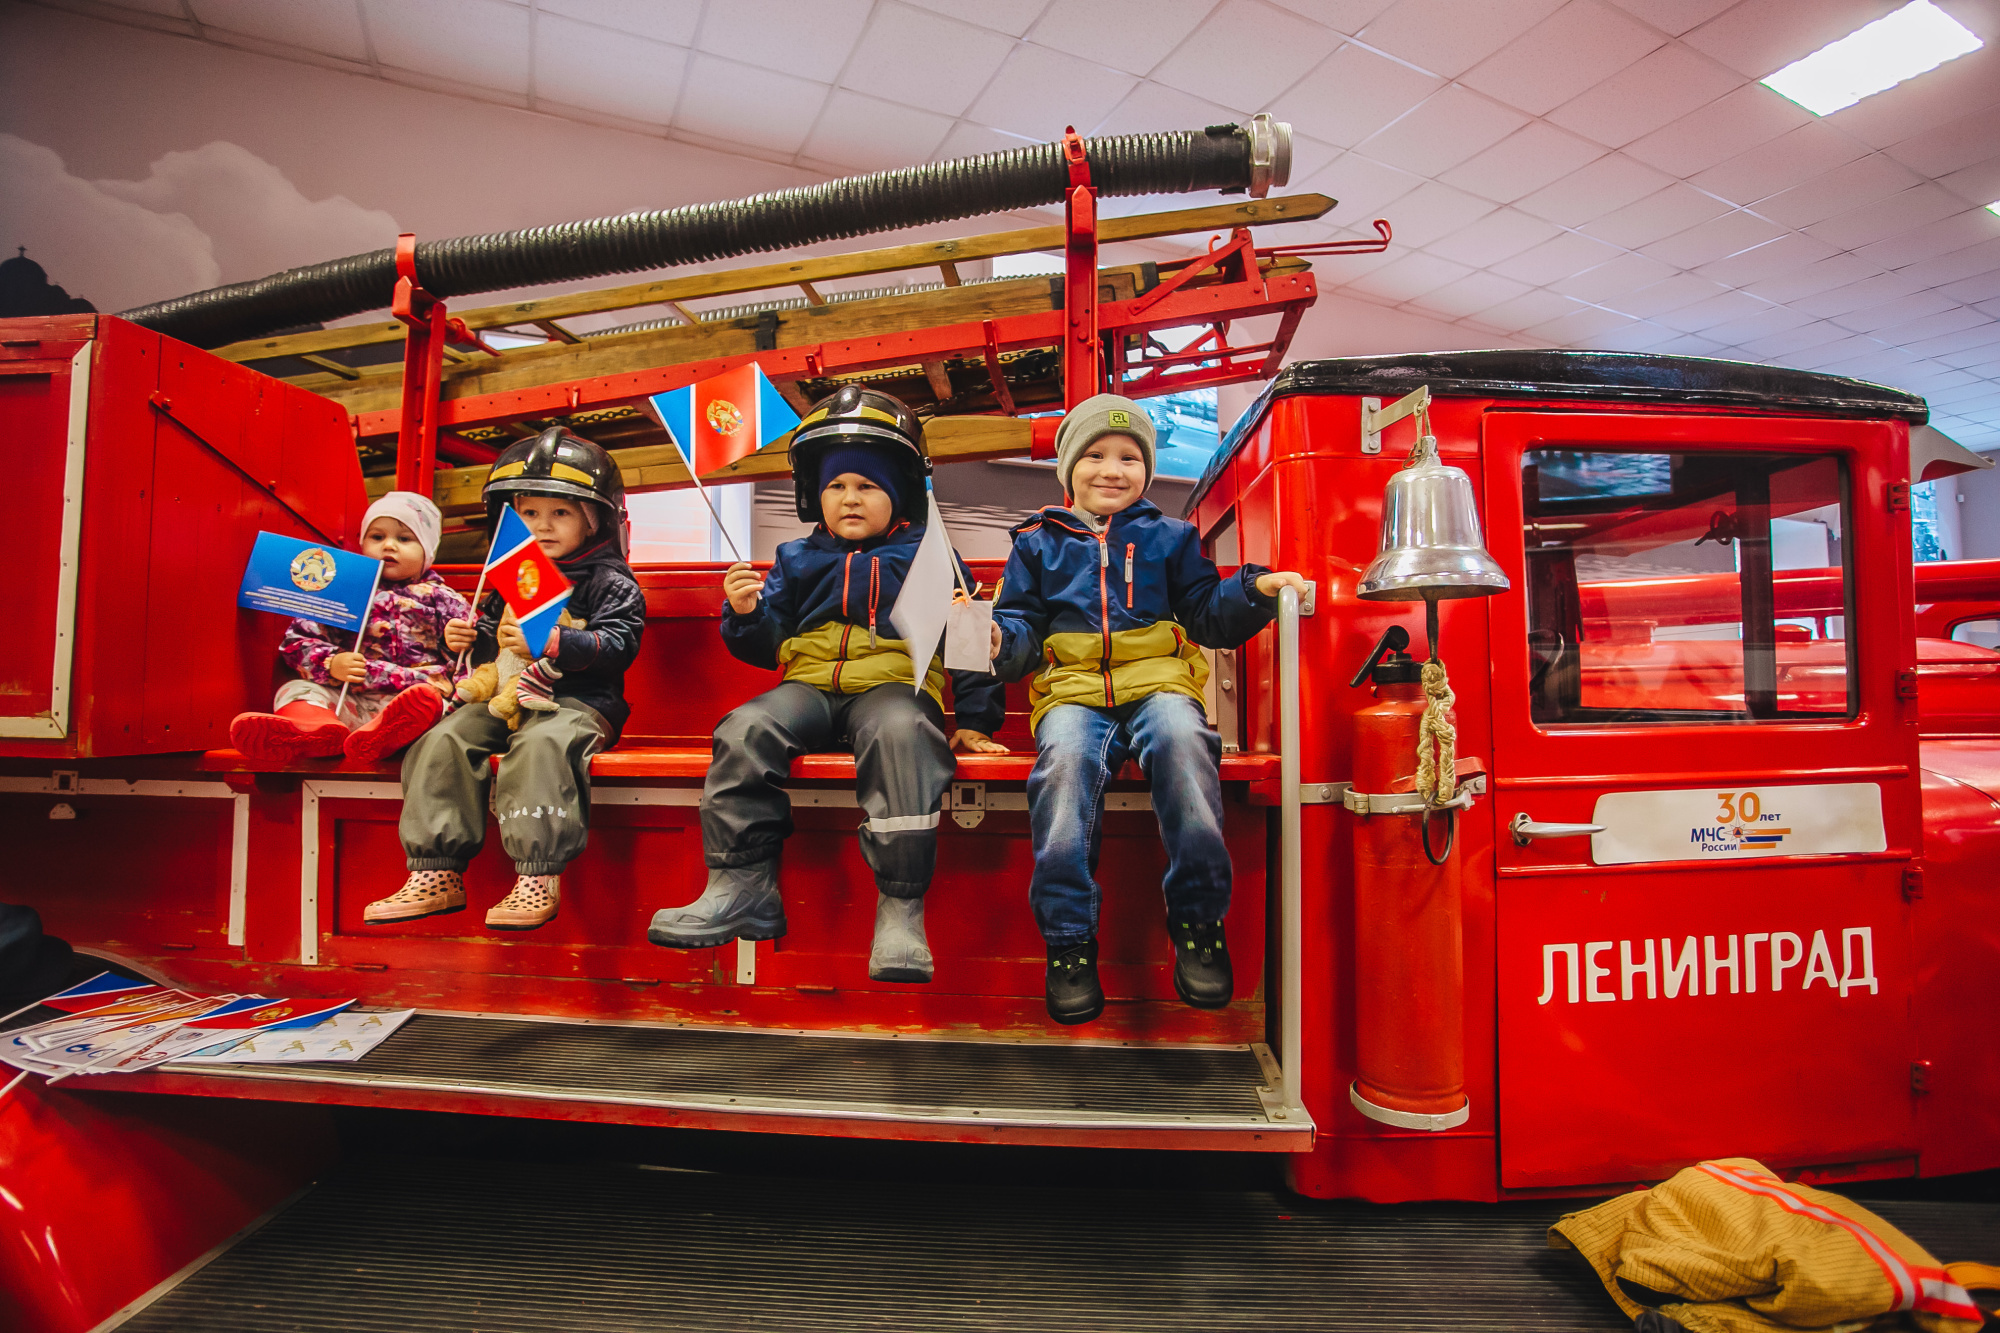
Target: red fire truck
1704 876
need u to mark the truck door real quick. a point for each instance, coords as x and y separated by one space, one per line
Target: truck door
1705 792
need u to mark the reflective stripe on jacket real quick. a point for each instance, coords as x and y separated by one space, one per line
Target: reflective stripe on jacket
1107 618
825 599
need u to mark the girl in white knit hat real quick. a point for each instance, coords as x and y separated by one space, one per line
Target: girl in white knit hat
397 679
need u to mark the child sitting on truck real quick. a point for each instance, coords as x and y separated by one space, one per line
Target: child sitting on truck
822 617
1109 598
570 494
396 679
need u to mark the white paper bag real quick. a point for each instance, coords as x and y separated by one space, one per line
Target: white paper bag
968 637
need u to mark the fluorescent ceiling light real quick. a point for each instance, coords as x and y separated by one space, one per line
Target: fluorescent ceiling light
1994 207
1873 58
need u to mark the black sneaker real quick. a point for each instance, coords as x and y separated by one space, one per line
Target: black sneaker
1202 975
1073 993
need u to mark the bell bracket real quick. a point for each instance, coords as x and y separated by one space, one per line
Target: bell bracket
1376 418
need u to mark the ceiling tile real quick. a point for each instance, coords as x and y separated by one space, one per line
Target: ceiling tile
1443 131
811 41
968 140
1887 217
1245 54
1759 37
1977 267
1970 227
1408 277
1714 239
1638 336
1838 191
1770 320
1688 344
1471 294
1824 276
1729 125
1940 151
1530 308
1717 310
672 21
1776 346
1976 184
331 27
1526 160
1448 37
1914 318
1659 214
1038 91
1611 182
1769 168
1433 211
1364 187
1968 339
1578 45
1790 251
1013 17
898 60
1614 278
1581 328
613 72
1651 92
1353 93
1106 34
1499 235
480 42
1674 294
1674 17
725 100
1552 260
866 134
1869 291
1935 98
1346 16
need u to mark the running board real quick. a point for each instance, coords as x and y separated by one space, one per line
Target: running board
1113 1094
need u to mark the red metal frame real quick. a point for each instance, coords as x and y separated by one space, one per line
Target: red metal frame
1082 354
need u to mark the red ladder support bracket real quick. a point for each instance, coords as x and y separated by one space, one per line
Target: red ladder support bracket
1083 354
423 371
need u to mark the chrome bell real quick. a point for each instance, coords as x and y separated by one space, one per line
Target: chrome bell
1431 547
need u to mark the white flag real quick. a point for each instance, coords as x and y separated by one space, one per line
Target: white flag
924 604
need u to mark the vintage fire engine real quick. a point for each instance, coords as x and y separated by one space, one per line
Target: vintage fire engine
1698 872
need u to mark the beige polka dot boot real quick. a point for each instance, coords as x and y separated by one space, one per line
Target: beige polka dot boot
424 893
532 903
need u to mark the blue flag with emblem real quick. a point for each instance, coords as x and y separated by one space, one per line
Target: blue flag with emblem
309 581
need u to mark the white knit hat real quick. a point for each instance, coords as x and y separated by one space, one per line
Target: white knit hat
413 511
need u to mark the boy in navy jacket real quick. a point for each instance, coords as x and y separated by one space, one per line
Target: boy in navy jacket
822 617
1110 602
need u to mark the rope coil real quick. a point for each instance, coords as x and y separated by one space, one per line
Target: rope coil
1437 738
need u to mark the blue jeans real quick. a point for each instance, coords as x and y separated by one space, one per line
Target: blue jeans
1081 748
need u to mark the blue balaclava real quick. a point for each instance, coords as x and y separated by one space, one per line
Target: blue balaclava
862 460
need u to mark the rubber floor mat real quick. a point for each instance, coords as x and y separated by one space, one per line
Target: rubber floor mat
459 1246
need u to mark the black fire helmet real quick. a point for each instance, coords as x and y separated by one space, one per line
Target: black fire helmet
557 462
855 415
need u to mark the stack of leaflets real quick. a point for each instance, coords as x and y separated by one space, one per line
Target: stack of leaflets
344 1036
114 1025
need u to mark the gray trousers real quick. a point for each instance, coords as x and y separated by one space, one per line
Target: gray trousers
541 797
901 755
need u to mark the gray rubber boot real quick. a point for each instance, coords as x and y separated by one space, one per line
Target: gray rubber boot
740 903
900 952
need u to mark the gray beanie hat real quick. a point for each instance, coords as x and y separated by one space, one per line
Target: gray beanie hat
1095 417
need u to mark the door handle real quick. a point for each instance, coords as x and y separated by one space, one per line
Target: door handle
1525 830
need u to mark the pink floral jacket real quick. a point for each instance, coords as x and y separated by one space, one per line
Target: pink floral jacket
405 637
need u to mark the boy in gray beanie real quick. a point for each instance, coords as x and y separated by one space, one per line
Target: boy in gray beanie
1110 602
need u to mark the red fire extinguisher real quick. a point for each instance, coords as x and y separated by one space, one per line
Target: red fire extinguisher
1408 951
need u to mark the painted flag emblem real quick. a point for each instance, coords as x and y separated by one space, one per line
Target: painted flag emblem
309 581
729 416
527 579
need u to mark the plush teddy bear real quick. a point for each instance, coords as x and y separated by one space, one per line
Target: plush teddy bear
493 682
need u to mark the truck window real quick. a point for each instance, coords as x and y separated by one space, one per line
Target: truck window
1685 587
1983 633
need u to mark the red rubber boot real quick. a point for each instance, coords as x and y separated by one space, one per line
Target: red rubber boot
404 718
296 731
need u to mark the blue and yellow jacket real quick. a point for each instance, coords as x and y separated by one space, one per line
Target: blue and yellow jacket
1111 617
823 620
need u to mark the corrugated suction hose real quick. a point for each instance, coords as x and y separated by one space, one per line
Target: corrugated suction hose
1229 158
